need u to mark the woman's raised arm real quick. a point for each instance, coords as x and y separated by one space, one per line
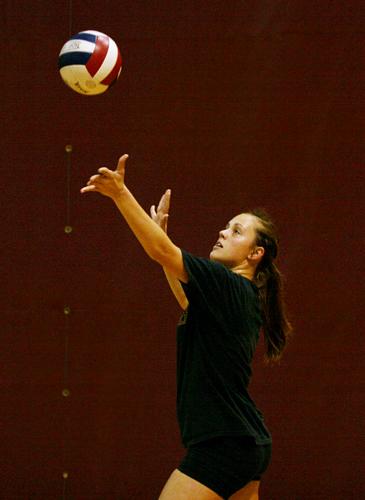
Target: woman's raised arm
153 239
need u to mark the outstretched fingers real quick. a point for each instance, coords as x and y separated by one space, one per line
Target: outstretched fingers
153 212
160 216
104 172
106 181
164 205
92 183
121 164
86 189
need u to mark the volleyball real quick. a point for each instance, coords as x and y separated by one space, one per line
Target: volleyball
90 62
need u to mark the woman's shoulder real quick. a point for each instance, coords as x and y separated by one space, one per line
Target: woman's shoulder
222 271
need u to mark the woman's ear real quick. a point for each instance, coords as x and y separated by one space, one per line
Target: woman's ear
257 254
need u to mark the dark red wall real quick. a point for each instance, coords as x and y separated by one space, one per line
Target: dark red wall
231 105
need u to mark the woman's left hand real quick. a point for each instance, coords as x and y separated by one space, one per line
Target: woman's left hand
108 182
162 214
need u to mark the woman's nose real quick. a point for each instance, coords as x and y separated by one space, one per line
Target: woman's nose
222 233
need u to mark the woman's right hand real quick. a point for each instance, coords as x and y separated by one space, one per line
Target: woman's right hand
162 214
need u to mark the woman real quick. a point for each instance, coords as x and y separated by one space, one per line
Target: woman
226 301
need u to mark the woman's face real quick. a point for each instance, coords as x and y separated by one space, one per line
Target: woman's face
236 242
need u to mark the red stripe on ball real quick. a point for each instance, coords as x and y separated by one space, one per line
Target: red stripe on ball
114 72
98 56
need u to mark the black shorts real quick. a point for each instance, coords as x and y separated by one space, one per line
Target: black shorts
226 464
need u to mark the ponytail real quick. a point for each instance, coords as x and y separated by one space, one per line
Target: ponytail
269 281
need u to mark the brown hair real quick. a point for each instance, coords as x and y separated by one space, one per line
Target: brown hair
269 281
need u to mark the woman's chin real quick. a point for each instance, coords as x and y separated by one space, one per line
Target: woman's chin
214 254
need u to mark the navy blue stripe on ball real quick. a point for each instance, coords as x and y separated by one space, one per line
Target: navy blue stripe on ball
73 58
84 36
